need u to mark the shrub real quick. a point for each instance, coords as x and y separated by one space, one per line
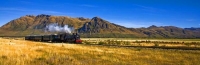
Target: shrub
156 44
127 43
4 57
86 42
118 43
188 44
101 43
139 49
63 45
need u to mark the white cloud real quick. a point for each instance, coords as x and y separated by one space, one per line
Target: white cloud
87 5
131 25
149 9
12 9
190 20
30 10
25 2
135 24
48 11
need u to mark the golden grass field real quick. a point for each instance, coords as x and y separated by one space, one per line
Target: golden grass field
22 52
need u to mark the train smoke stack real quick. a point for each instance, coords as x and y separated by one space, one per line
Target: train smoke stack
54 27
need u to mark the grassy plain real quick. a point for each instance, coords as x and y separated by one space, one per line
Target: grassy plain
184 43
22 52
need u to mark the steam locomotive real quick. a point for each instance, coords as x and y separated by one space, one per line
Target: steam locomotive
64 37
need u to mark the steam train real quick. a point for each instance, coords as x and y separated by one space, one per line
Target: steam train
64 37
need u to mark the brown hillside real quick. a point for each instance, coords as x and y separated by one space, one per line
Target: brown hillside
167 32
99 26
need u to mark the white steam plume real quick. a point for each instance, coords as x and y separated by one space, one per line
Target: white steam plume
54 27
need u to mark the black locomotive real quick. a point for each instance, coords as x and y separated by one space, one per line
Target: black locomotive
64 37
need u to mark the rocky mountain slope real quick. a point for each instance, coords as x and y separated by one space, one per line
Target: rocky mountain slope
29 24
95 27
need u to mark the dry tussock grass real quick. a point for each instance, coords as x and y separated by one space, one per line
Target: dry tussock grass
189 43
21 52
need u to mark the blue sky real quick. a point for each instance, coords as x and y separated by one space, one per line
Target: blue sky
128 13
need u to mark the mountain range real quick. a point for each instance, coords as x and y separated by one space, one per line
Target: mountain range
95 27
